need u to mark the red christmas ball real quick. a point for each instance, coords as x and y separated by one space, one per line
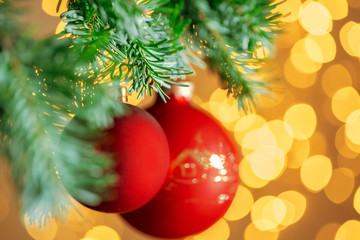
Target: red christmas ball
202 179
141 154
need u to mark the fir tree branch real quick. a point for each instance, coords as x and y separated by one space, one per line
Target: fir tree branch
133 42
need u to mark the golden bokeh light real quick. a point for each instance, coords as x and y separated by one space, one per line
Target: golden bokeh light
341 146
248 177
328 231
298 78
245 124
350 38
44 230
54 8
338 8
282 133
102 232
334 78
241 205
298 153
289 9
340 186
344 102
352 127
224 108
219 231
321 48
316 172
315 18
302 120
301 60
267 165
253 233
60 27
356 202
268 212
350 230
296 206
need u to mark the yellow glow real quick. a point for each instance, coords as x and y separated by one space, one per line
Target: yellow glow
248 177
267 165
352 127
224 107
315 18
350 38
51 7
298 153
316 172
296 205
282 133
289 8
334 78
301 60
219 231
344 102
302 119
102 232
356 202
350 230
337 8
245 124
60 27
298 78
268 212
340 186
328 231
241 205
259 139
43 230
322 48
341 146
253 233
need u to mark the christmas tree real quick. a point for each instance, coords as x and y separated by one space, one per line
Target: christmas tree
147 46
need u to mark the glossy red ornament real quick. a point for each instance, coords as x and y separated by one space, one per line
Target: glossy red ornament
141 154
203 175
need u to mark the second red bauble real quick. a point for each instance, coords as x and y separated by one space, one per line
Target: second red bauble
140 152
203 174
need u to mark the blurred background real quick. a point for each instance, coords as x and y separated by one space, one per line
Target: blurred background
300 147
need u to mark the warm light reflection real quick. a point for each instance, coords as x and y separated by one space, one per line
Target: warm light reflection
253 233
334 78
302 119
344 102
282 133
241 205
102 232
296 78
350 230
316 172
315 18
350 38
352 127
245 124
328 231
321 48
44 230
54 8
268 212
340 186
296 205
216 162
337 8
248 177
298 153
219 231
301 60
